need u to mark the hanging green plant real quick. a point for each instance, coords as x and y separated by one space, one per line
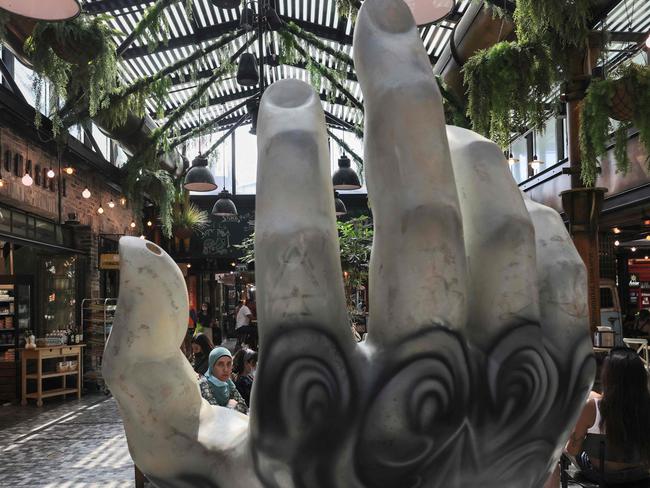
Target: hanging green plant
558 24
507 86
631 82
455 109
78 57
154 26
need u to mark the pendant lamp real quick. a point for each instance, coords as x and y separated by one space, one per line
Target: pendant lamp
345 178
199 177
50 10
426 12
247 19
226 3
339 206
247 74
224 206
273 19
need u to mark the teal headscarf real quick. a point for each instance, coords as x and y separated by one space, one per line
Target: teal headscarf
220 389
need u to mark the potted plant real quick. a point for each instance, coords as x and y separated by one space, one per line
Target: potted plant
625 97
187 218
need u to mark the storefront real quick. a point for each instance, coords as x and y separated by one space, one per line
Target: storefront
40 276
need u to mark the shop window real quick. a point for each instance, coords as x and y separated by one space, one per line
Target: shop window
5 220
58 297
19 223
546 146
45 231
31 227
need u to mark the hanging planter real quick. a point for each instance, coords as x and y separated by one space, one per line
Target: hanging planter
625 98
622 107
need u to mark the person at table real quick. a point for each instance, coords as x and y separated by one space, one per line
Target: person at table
216 385
623 415
201 348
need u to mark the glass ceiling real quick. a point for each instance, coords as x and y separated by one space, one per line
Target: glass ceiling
207 23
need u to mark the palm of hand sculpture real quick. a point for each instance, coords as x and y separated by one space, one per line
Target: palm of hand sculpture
477 359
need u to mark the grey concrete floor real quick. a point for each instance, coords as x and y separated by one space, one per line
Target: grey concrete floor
65 444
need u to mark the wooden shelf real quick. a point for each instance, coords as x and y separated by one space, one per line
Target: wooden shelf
51 393
34 376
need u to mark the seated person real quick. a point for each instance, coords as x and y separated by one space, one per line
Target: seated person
642 328
244 364
622 414
201 348
216 386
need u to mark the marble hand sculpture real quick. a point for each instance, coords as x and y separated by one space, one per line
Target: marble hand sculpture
477 360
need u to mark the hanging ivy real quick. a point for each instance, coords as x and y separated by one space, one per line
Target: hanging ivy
316 42
78 57
633 80
455 109
507 86
154 26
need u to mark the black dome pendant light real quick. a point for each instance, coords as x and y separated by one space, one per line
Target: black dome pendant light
226 3
345 178
339 206
224 206
199 177
247 74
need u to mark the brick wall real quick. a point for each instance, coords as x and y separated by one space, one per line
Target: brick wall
42 199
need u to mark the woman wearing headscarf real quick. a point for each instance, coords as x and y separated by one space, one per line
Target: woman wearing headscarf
216 386
201 347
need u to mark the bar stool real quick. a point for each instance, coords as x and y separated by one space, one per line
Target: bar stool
640 346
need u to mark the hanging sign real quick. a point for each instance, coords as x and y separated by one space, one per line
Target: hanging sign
109 260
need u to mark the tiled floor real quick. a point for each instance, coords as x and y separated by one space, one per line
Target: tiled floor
72 444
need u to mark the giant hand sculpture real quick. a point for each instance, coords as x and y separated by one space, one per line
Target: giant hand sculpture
477 359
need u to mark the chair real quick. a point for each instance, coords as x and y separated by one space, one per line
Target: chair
640 346
595 445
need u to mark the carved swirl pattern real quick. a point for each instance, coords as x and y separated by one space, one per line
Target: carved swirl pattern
306 387
431 412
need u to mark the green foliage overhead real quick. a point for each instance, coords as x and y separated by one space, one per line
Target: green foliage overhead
596 126
78 57
189 216
506 86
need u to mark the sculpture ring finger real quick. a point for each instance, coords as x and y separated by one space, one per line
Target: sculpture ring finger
477 358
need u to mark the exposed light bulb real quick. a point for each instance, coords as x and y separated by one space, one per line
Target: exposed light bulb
86 193
645 257
122 201
111 204
2 182
50 173
132 224
142 237
616 243
189 265
27 180
647 238
233 264
633 249
149 223
100 210
616 230
69 170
